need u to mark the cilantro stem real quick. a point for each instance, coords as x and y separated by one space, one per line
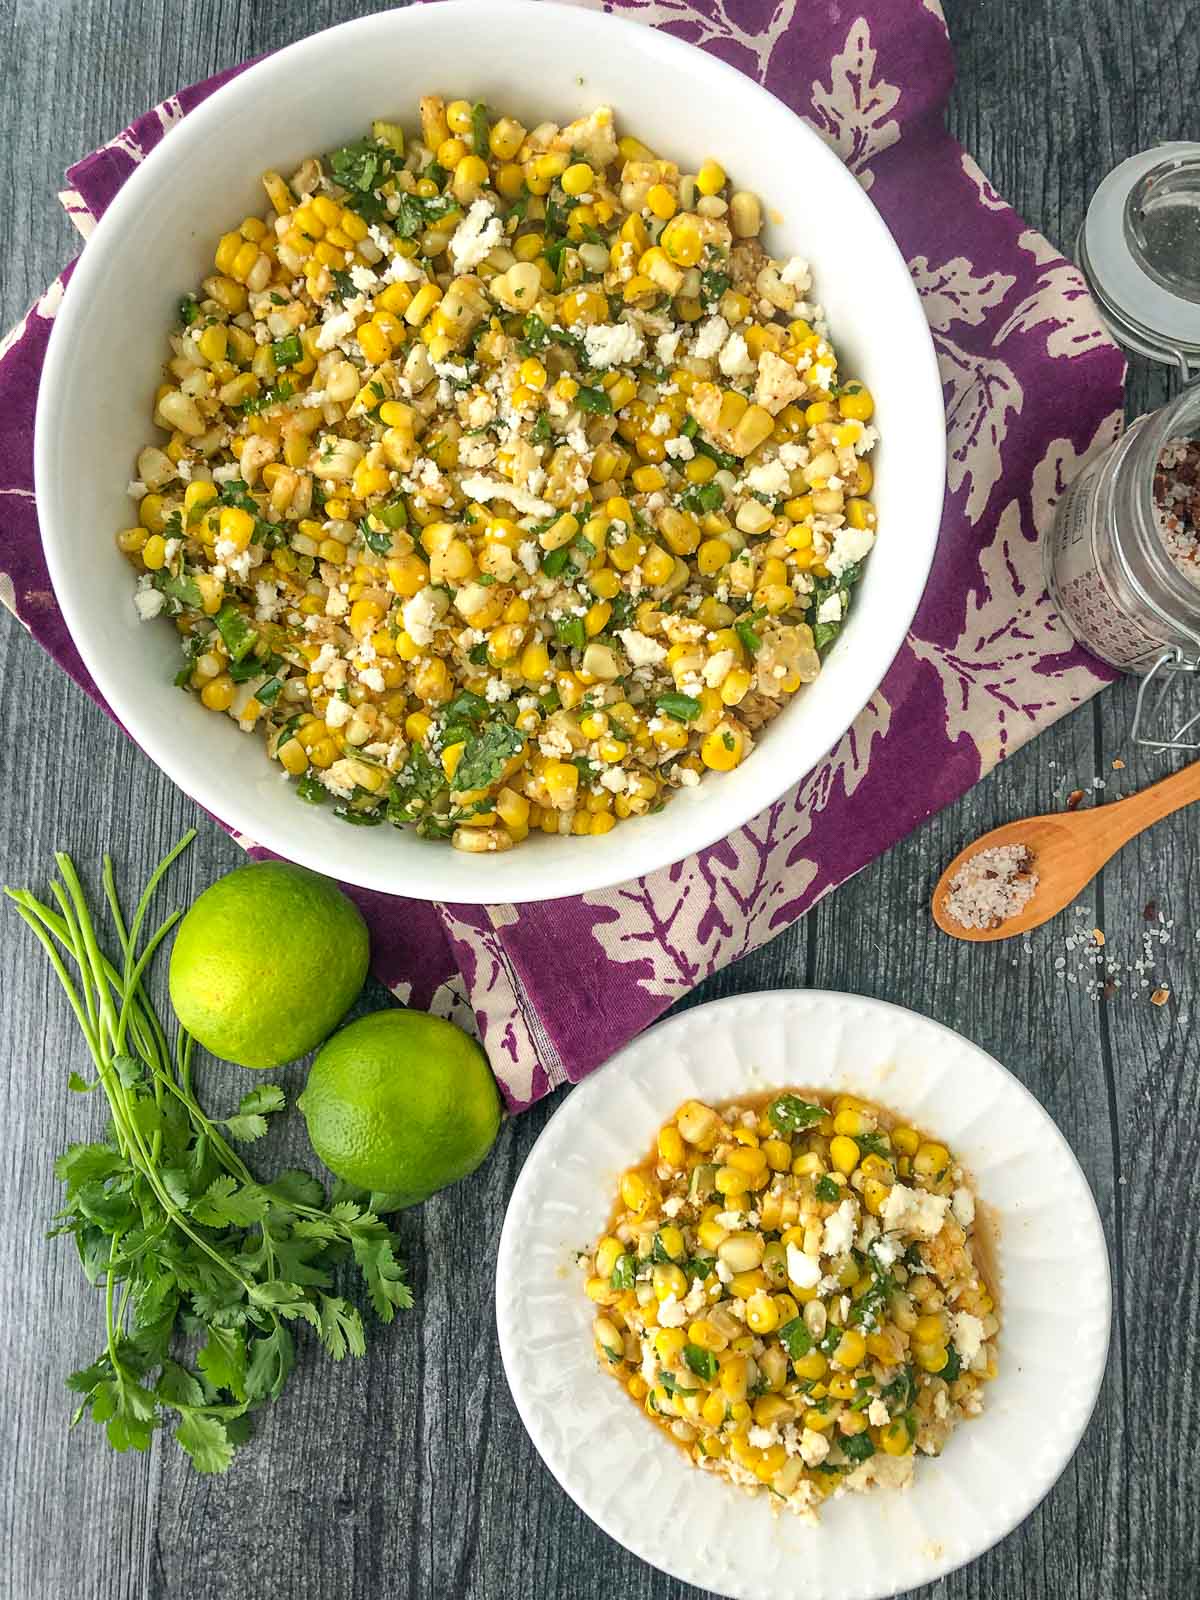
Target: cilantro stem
110 1279
233 1258
95 967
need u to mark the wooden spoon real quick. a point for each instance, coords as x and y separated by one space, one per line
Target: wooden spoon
1068 849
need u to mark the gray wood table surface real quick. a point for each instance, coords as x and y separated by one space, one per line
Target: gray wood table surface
409 1474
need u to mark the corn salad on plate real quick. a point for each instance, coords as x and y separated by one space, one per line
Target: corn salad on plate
506 481
915 1301
795 1292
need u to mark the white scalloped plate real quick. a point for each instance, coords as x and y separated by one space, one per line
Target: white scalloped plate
1054 1294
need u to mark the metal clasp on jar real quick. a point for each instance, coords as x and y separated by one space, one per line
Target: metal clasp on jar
1163 672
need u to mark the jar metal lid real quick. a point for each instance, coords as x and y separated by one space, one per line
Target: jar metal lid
1151 309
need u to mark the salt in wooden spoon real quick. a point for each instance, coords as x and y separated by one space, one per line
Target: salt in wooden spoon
1068 850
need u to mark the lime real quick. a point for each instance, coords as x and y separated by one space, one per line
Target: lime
267 962
401 1102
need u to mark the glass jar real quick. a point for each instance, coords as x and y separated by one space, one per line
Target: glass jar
1107 567
1139 249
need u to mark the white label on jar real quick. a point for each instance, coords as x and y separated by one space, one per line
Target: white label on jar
1090 610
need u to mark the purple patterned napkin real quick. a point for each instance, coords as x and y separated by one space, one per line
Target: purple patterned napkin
1033 389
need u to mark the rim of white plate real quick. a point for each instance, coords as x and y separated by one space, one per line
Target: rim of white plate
617 1468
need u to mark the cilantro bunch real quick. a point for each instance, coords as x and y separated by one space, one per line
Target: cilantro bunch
191 1251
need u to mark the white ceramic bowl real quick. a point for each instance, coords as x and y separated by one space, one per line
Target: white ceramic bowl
1054 1298
156 241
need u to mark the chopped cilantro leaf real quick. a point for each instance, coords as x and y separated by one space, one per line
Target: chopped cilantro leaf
623 1273
858 1446
680 707
702 497
796 1338
486 755
702 1362
236 631
594 400
790 1114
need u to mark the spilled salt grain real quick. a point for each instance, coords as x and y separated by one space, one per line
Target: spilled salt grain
992 886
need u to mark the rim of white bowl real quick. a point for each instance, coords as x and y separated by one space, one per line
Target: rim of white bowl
651 848
581 1098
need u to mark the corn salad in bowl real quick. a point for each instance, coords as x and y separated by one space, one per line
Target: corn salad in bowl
509 483
794 1290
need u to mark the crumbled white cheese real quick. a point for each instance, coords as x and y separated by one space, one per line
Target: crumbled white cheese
339 326
912 1211
529 555
886 1252
840 1229
967 1332
878 1414
614 779
674 1203
481 410
480 488
611 344
962 1203
671 1313
696 1300
325 658
402 269
148 603
849 548
777 382
267 601
476 236
135 488
830 609
335 674
761 1438
717 667
362 278
496 691
680 449
794 455
687 778
814 1447
373 679
771 478
555 742
795 272
642 652
422 613
665 347
338 713
710 337
802 1269
478 452
735 360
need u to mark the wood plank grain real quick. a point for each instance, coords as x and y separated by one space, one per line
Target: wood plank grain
410 1474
